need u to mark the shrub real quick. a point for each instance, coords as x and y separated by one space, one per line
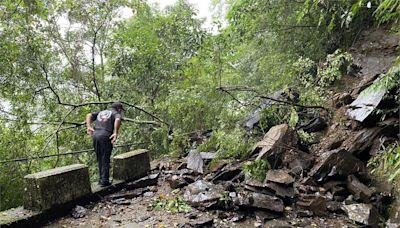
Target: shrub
256 169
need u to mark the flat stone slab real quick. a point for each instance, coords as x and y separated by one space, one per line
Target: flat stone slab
55 187
132 165
260 201
279 176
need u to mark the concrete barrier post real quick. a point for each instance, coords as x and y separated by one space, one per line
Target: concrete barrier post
56 187
131 165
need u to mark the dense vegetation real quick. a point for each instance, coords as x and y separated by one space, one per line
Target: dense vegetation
62 59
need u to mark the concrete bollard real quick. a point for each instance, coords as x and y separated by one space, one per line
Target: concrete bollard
131 165
55 187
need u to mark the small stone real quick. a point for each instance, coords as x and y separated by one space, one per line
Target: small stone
143 218
288 209
148 194
79 212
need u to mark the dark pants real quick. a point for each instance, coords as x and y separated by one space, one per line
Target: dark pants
103 147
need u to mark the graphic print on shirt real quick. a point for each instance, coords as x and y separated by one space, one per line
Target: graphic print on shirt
104 115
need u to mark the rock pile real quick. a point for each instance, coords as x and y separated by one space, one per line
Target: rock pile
330 179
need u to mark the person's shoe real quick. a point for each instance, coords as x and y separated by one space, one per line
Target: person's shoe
105 184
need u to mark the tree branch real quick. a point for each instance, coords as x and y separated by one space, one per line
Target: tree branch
94 66
231 95
140 121
248 89
294 104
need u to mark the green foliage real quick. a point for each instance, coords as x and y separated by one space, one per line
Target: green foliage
388 11
316 79
305 137
172 205
256 169
336 65
233 144
391 80
386 163
294 118
275 115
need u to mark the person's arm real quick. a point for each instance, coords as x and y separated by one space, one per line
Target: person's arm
89 121
117 124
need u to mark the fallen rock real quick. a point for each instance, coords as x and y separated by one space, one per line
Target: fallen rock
79 212
227 173
365 138
148 194
254 183
340 100
202 222
281 190
128 195
277 224
149 180
238 217
315 125
279 176
334 206
208 155
362 213
336 188
142 218
195 161
271 147
121 201
298 160
176 181
337 162
203 193
214 167
361 140
366 102
359 190
263 216
258 200
313 203
394 215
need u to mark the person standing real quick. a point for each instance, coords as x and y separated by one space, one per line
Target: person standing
104 134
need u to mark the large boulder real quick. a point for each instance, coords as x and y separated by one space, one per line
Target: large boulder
359 190
274 144
195 161
203 193
260 201
337 162
365 214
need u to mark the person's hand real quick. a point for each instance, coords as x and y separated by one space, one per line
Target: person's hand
113 138
90 131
